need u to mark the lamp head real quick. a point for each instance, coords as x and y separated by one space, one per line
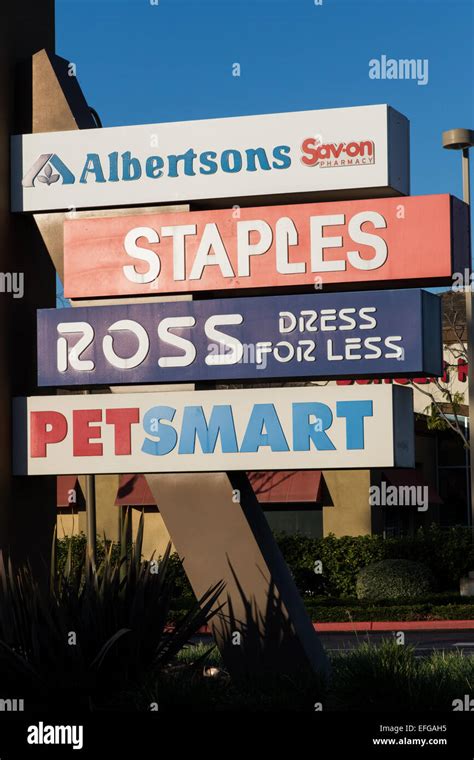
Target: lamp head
458 139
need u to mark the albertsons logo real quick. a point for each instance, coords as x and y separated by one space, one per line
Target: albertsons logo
48 169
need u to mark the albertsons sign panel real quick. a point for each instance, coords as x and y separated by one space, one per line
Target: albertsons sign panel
254 429
299 154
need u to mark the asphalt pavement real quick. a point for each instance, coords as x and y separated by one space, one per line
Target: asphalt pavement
424 642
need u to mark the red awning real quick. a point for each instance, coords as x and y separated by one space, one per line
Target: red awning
404 477
64 485
133 491
287 486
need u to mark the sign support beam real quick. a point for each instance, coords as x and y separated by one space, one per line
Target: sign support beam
263 625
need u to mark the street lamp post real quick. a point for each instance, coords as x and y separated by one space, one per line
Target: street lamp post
463 139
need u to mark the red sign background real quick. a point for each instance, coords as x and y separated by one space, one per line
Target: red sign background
426 239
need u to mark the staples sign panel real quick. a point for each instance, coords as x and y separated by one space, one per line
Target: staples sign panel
287 428
395 332
305 153
418 239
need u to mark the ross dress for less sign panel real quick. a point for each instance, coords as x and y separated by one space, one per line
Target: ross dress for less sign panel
362 150
322 335
253 429
414 240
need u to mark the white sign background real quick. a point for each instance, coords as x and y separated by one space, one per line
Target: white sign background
389 175
388 434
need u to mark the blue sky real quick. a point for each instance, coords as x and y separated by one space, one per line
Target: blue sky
139 62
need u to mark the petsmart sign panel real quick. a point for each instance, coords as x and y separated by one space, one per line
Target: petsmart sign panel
323 335
302 153
254 429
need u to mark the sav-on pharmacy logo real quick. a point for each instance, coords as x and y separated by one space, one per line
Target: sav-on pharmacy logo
43 170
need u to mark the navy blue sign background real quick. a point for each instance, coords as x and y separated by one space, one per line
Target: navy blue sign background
319 336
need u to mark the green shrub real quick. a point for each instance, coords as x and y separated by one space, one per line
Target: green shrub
382 677
366 612
310 583
76 546
183 688
393 579
433 600
183 596
117 615
390 677
341 558
375 677
448 553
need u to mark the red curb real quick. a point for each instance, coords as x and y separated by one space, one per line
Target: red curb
396 625
385 625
